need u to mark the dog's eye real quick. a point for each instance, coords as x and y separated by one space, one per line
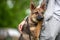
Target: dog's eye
36 13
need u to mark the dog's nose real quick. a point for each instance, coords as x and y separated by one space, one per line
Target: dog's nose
39 17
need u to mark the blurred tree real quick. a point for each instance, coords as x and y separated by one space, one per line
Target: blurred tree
12 12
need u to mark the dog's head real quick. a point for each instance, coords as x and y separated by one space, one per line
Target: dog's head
37 13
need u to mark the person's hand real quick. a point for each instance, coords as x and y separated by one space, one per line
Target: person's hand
20 26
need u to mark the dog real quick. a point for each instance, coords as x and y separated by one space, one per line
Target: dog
32 27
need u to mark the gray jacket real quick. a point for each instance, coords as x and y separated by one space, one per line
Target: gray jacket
57 10
50 9
53 9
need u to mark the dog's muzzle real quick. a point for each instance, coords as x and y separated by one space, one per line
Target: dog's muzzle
39 18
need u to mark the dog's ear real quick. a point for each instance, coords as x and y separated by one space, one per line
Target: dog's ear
43 5
32 6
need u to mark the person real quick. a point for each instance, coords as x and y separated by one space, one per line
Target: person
51 21
51 24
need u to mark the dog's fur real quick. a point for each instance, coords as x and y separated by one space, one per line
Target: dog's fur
33 24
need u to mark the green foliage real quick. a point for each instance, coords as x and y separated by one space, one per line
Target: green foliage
11 17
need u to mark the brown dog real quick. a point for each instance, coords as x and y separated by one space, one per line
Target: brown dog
32 27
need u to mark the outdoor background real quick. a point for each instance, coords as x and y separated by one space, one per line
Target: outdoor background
12 12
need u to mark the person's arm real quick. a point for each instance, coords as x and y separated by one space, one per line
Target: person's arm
20 26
